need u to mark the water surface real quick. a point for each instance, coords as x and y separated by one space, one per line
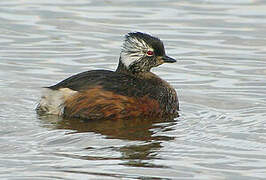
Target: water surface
220 78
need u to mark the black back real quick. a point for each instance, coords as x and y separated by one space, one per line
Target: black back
123 84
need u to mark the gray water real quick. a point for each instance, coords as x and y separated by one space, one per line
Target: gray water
220 78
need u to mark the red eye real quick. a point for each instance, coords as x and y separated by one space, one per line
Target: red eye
149 53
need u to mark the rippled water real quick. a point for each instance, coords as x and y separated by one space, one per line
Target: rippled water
220 78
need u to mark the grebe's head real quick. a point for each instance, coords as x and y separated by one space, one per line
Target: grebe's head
141 52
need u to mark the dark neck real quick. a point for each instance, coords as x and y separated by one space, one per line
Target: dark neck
121 68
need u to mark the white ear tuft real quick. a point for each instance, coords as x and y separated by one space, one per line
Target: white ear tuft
133 49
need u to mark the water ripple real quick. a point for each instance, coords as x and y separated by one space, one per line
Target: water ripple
220 79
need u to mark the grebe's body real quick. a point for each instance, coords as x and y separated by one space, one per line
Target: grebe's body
130 91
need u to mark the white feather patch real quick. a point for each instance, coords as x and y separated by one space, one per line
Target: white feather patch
52 101
133 49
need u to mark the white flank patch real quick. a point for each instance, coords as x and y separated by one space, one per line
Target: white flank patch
133 49
52 101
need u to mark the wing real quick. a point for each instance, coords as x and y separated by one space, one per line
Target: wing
108 80
84 80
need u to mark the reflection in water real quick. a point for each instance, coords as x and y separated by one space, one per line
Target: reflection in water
134 130
135 154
